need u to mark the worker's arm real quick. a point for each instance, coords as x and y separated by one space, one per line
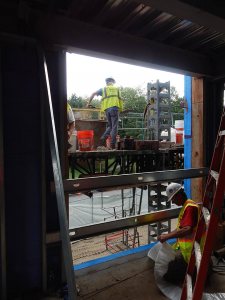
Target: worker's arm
175 234
91 97
97 93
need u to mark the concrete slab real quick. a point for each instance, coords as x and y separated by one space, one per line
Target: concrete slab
132 277
133 280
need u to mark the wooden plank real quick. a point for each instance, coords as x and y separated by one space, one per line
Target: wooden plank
197 136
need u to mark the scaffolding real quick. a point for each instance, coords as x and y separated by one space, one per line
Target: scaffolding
128 238
159 118
131 121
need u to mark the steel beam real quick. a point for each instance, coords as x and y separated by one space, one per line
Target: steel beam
129 180
124 223
118 224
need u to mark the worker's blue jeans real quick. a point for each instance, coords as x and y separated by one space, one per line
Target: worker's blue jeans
112 115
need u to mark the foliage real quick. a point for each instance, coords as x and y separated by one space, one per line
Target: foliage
176 105
135 102
173 93
76 102
79 102
134 99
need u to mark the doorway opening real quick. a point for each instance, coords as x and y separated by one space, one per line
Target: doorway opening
139 150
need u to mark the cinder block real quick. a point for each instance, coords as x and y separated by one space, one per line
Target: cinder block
166 145
147 145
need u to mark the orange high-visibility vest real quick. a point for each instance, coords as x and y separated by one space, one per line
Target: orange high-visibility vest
185 244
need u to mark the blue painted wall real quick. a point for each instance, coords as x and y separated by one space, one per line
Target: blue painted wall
187 131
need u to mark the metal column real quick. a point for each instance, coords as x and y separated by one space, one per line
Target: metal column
63 220
2 207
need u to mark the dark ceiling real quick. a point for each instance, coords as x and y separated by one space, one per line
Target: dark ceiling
185 36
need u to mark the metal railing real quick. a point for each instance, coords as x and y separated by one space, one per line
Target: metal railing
106 183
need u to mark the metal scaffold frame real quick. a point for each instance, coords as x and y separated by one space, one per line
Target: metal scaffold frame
159 118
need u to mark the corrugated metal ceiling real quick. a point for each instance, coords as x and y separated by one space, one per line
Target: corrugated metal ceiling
140 20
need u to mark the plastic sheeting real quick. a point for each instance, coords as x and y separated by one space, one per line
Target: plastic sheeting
105 206
162 254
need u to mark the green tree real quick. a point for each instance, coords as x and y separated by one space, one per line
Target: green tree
76 102
135 102
173 93
134 99
80 102
176 105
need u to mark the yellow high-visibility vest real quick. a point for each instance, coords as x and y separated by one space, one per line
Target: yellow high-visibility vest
111 97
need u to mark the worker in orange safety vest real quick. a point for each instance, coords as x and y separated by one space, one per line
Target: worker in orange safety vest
187 221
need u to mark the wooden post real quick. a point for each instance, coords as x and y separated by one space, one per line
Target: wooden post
197 135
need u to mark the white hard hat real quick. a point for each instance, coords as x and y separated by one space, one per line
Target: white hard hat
110 79
172 189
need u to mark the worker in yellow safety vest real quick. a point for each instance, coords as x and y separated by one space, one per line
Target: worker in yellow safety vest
111 104
187 221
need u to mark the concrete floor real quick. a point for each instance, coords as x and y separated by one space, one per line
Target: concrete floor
125 278
132 277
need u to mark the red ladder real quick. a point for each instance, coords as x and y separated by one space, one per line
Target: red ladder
209 216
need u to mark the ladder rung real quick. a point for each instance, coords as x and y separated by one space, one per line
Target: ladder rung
222 132
189 287
214 174
206 215
198 255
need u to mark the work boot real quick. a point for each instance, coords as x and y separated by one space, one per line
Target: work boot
101 143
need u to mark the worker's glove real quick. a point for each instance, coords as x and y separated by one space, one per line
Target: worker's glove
162 238
90 106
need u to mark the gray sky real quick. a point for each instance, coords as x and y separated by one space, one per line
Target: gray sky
87 74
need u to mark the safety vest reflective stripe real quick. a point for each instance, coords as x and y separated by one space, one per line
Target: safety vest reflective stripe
111 97
185 243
